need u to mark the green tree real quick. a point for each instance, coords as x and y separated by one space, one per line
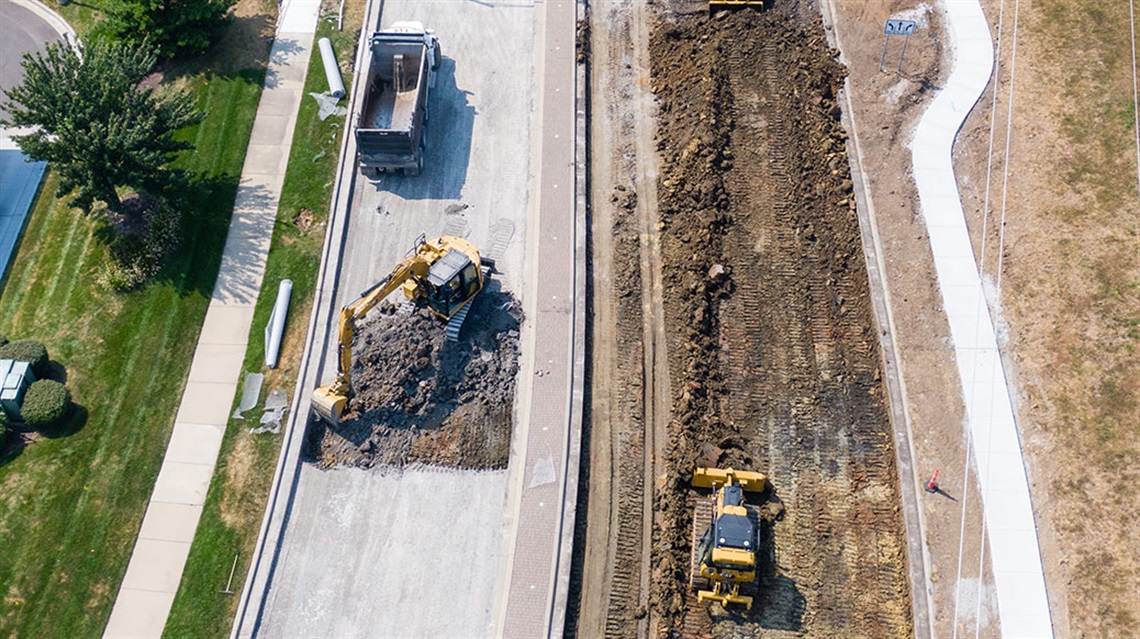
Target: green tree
173 26
94 123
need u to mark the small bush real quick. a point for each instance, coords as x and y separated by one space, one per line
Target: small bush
3 428
46 404
27 350
3 339
145 233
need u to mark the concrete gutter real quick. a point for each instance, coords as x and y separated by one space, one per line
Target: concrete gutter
1009 523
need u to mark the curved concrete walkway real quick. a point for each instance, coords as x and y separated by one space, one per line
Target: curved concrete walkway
1015 557
155 570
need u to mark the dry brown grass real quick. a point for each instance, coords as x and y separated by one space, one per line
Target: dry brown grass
1071 291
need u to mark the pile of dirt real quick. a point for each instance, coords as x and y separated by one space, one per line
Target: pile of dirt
422 400
773 353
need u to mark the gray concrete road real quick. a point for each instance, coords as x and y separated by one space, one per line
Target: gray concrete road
22 30
422 553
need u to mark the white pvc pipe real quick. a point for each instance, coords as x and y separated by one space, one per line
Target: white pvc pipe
332 71
275 327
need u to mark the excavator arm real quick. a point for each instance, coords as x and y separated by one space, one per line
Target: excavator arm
329 401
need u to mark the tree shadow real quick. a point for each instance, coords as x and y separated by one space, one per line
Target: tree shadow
72 424
56 371
19 435
12 447
448 136
241 51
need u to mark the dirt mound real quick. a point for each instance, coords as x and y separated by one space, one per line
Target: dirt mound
420 399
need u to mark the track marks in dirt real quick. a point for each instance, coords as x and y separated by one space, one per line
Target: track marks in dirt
776 360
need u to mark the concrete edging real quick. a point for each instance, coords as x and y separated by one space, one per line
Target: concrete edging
264 559
918 554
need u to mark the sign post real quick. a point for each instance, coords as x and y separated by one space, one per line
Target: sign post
897 27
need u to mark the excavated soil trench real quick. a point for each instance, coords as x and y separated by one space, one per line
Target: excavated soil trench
773 352
421 400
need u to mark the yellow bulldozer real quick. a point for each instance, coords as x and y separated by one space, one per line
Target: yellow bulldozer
443 274
725 541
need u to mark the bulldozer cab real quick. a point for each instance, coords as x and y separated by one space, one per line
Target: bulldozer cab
451 282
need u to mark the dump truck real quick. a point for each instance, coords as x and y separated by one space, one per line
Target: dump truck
390 126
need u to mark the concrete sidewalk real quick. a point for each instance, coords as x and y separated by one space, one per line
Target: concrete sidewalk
1010 528
155 570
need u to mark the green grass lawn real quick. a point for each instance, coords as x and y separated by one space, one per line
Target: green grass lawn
240 487
71 505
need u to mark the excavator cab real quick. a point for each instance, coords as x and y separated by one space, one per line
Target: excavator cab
451 282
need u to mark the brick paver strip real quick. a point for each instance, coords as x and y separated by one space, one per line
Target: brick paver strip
167 531
538 557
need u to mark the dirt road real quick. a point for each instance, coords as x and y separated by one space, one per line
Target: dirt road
771 347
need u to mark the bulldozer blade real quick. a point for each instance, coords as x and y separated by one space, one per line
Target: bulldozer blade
718 5
724 598
328 405
713 477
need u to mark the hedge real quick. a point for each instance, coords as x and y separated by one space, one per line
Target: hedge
46 404
27 350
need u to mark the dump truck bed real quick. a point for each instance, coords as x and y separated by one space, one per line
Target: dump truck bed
389 131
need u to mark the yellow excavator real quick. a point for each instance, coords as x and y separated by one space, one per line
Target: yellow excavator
443 274
725 537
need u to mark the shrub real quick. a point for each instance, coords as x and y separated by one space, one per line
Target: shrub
3 339
3 428
27 350
145 233
46 404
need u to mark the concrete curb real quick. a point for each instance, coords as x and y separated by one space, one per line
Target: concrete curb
1008 523
166 535
264 559
51 17
918 554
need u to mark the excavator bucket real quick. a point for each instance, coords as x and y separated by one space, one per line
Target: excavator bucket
328 404
713 477
717 5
